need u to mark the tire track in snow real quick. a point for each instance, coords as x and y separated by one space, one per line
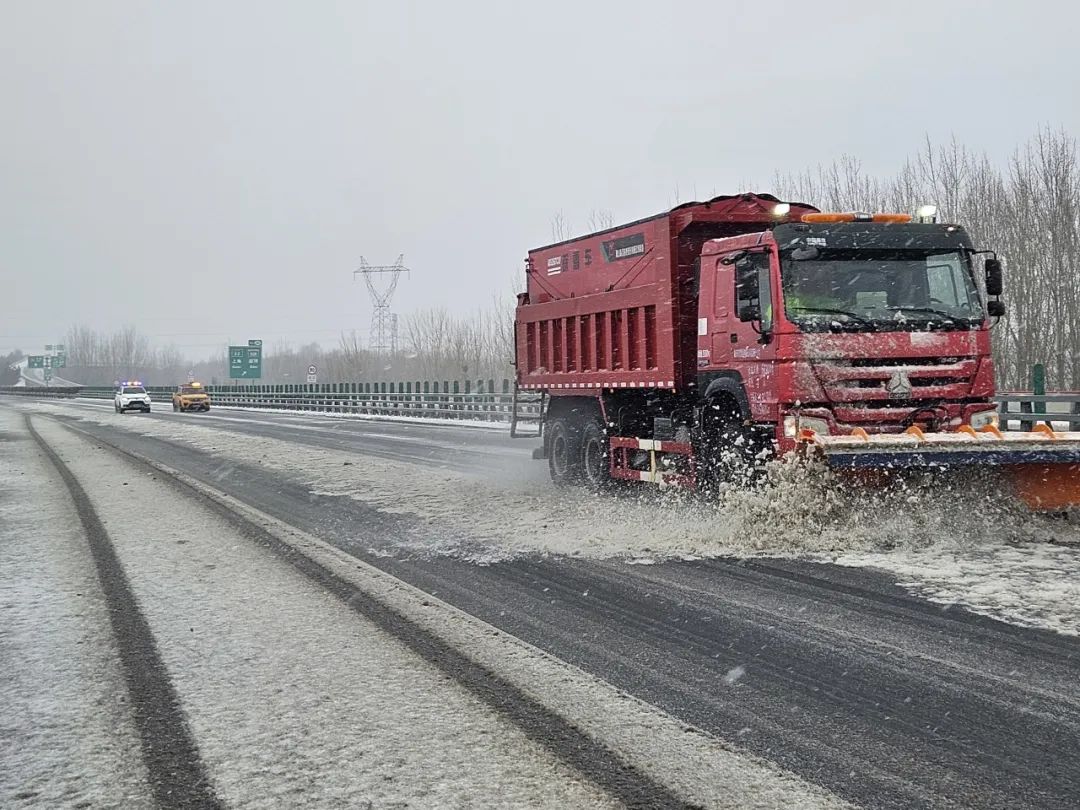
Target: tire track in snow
177 776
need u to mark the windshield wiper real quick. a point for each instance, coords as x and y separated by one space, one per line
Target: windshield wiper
928 311
853 315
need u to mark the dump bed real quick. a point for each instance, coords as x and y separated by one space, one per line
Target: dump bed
618 308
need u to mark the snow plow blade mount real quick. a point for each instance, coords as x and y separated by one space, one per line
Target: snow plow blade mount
1043 465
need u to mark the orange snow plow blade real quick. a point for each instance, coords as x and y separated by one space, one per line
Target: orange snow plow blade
1042 466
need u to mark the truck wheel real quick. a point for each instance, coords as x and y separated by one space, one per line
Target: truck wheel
727 452
564 452
595 450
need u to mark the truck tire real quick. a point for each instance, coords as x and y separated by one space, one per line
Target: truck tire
727 451
595 452
564 452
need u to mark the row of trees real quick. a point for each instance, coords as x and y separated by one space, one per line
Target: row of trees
434 345
1028 210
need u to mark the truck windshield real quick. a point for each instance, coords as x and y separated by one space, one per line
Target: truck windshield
880 290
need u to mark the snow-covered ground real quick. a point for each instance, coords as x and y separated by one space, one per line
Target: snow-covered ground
66 738
954 542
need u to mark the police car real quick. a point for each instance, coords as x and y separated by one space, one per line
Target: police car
131 396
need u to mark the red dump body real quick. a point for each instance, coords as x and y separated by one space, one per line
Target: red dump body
618 308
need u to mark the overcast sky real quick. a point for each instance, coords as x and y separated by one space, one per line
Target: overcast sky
213 171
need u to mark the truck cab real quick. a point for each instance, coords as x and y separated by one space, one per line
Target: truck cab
835 325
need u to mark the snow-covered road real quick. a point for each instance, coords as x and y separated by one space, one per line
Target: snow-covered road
874 647
293 699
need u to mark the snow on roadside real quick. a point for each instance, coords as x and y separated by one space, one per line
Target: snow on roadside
66 737
1033 585
953 542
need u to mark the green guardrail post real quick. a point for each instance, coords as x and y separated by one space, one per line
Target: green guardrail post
1038 385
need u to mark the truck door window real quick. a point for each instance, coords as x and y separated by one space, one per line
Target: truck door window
753 287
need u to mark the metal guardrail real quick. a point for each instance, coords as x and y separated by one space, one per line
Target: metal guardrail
1024 409
487 407
1029 409
50 392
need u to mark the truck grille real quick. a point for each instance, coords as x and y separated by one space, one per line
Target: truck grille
865 383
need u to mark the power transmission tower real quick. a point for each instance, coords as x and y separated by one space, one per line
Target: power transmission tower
383 338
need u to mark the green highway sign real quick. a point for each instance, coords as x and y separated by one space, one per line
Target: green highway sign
245 362
60 361
254 344
35 361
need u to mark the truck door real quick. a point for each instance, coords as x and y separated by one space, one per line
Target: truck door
742 305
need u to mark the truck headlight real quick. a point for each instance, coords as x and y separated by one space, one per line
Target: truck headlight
820 426
793 424
984 418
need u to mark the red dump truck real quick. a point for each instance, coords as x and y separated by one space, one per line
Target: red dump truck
685 348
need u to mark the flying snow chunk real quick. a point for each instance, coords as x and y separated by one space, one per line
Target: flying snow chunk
734 675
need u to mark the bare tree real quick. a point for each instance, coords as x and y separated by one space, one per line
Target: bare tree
560 228
600 219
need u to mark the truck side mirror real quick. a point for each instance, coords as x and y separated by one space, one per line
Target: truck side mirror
995 309
994 281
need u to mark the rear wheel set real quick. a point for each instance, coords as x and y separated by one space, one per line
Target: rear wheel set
578 452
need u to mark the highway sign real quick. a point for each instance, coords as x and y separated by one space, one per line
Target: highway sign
312 379
60 361
60 347
254 344
48 362
48 373
35 361
245 363
312 369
